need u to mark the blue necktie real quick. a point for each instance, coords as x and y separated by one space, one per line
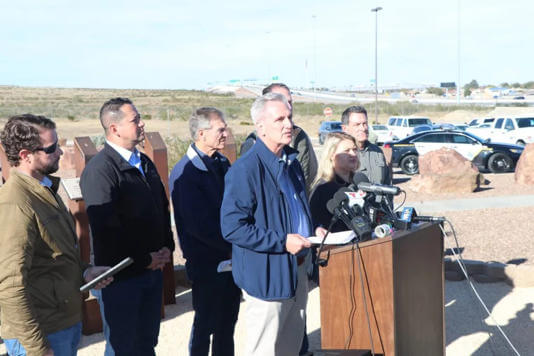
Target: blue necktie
135 161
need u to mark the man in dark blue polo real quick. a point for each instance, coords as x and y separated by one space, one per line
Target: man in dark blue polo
197 188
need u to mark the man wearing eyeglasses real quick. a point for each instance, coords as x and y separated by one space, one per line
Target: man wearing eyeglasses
129 216
40 266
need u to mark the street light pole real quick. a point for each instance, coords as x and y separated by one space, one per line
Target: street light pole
314 17
458 86
267 42
375 10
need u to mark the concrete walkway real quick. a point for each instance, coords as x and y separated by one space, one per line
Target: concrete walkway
432 206
468 330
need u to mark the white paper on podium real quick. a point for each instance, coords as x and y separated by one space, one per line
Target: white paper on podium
224 266
334 238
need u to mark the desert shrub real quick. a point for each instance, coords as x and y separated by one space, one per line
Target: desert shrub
98 141
176 149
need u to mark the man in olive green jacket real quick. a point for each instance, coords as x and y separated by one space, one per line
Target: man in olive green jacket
40 266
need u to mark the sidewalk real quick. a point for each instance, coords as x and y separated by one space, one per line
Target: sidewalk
467 329
431 206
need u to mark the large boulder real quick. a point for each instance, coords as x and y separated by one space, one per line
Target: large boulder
445 171
524 170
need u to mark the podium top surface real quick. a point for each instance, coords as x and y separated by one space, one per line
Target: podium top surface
383 240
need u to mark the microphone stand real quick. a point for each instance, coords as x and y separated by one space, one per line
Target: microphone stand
323 262
338 214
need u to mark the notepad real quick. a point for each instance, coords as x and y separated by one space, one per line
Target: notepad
334 238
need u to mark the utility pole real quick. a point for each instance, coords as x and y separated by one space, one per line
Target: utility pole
375 10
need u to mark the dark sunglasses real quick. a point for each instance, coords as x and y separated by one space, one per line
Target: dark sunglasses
48 150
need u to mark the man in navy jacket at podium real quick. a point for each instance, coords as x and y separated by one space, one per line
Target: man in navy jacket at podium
266 217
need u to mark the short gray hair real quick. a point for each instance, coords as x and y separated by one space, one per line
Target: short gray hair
201 119
256 111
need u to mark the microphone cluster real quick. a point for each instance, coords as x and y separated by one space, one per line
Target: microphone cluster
357 205
364 206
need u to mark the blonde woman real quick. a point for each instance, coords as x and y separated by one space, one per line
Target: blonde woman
339 161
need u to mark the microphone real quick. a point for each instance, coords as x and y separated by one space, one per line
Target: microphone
358 178
337 201
352 216
380 189
428 218
409 215
361 181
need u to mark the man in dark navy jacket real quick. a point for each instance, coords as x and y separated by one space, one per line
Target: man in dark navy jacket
129 216
266 217
197 188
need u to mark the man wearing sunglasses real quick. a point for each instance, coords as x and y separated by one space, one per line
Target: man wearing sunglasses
40 267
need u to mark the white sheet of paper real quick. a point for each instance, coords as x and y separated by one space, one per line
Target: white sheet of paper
72 187
334 238
224 266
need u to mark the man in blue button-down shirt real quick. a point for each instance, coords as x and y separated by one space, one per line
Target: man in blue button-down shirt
128 212
266 217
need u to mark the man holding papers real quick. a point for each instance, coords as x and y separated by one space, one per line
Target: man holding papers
266 217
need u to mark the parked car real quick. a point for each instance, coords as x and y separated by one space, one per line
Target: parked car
382 134
481 120
443 126
519 97
481 130
518 130
402 126
495 157
461 127
421 128
328 127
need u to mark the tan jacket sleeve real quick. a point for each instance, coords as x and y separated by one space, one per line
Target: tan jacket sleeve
17 236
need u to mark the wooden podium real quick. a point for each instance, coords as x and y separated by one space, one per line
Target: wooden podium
403 283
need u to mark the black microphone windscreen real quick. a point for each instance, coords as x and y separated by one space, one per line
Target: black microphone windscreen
340 197
337 199
358 178
331 206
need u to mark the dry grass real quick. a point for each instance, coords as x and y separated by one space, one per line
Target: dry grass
75 110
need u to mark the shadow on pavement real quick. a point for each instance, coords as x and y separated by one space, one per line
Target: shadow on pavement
400 180
517 261
449 251
183 305
469 331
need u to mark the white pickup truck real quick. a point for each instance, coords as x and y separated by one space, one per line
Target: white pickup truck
516 130
402 126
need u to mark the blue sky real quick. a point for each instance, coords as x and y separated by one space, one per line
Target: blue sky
188 44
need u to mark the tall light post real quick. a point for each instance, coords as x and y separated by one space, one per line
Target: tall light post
268 42
314 17
375 10
458 86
